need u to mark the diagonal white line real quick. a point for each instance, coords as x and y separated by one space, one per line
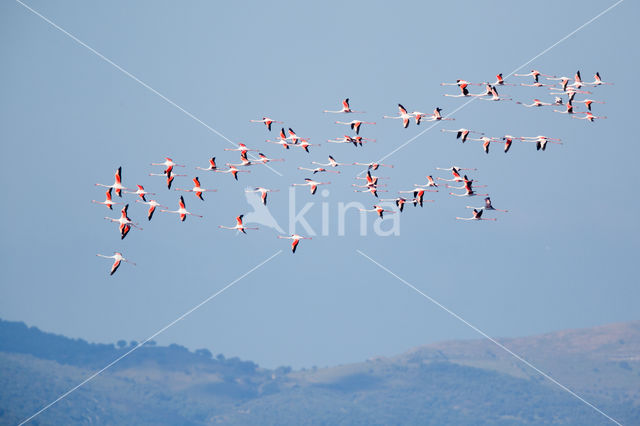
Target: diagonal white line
163 329
134 78
508 75
500 345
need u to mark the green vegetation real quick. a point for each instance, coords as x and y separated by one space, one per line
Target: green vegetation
431 385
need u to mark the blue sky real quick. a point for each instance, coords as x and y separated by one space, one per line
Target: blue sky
563 257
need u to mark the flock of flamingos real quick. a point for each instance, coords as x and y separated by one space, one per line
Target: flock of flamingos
556 87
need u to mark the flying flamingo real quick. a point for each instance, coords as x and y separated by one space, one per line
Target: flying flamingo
485 142
589 116
117 184
312 184
462 133
124 223
477 215
464 92
535 74
541 141
239 226
282 140
242 148
508 140
152 207
588 103
403 115
169 177
437 116
332 163
355 124
348 139
487 206
430 183
108 202
494 94
469 192
140 192
318 170
597 81
346 109
267 121
459 83
455 171
373 166
117 260
569 109
500 81
212 165
418 195
197 189
537 84
296 240
378 209
536 103
244 161
264 159
263 193
182 210
233 170
168 164
304 144
399 201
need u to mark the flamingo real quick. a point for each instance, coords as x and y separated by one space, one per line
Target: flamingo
152 207
500 81
487 206
477 215
541 141
318 170
469 192
140 192
242 148
399 201
373 189
589 116
537 84
430 183
108 202
182 210
212 165
486 141
312 184
378 209
304 144
168 164
244 161
418 195
296 240
467 184
169 177
348 139
197 189
569 109
436 116
373 166
508 140
332 163
494 94
263 193
464 92
535 74
459 83
355 124
282 140
536 103
360 140
233 170
293 137
267 122
346 109
117 184
264 159
403 115
597 81
239 226
462 133
125 224
588 102
117 260
455 171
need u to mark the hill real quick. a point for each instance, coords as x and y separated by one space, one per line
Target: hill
459 382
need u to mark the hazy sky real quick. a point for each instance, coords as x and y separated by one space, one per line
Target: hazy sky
564 256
